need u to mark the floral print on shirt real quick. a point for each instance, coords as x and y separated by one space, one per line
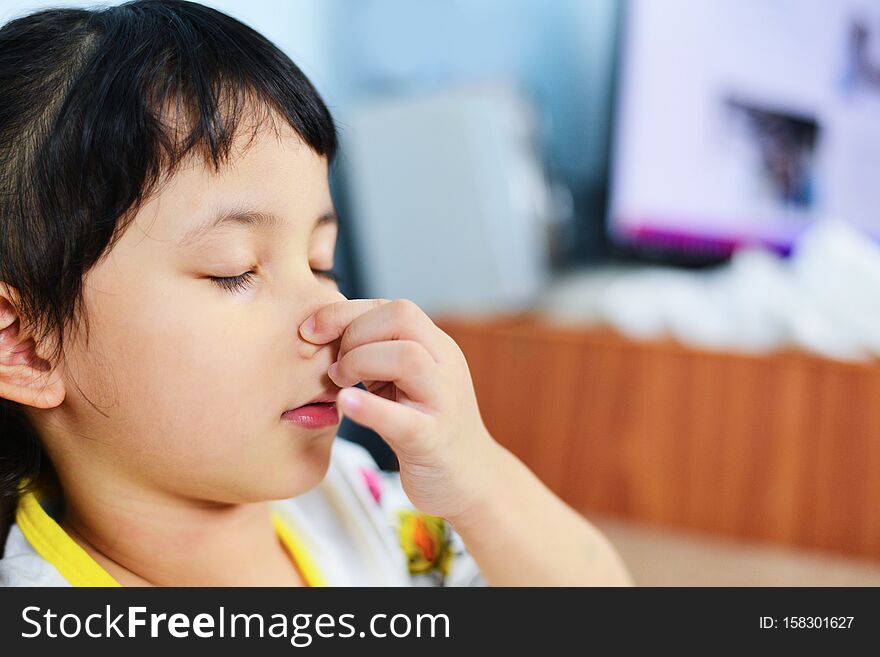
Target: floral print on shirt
425 540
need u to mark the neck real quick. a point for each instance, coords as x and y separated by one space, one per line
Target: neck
149 538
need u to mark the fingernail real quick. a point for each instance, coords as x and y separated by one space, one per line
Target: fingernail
349 399
333 370
308 327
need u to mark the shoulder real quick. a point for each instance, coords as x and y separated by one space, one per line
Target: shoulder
22 566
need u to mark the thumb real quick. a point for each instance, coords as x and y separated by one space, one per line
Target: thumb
401 426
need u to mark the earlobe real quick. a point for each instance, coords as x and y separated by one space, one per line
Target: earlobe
20 386
51 394
25 376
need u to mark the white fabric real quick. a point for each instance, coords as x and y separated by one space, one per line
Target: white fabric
352 537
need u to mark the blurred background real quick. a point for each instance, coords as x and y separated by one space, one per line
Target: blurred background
652 227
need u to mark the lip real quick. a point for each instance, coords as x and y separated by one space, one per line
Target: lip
318 413
313 416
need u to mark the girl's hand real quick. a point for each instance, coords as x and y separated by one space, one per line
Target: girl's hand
421 399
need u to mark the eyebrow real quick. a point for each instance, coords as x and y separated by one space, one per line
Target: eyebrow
249 218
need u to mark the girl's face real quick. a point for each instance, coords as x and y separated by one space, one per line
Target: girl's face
191 377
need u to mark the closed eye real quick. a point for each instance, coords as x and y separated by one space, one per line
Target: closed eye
242 281
233 283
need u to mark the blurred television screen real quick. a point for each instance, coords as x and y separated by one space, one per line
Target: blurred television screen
744 122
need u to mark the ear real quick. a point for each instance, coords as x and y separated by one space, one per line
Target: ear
26 376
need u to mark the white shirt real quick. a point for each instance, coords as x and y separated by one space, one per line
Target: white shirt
355 528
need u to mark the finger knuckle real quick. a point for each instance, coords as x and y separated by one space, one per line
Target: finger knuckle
410 354
414 359
406 308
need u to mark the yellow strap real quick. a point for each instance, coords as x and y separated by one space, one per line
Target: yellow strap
307 566
54 544
78 567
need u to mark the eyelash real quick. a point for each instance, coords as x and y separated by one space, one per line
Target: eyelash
242 281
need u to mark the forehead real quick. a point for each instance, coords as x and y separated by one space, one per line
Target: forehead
277 173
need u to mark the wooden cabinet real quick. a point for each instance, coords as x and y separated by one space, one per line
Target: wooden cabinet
782 448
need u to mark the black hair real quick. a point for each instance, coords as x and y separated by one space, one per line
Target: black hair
96 106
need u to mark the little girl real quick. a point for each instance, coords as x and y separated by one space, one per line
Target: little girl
175 355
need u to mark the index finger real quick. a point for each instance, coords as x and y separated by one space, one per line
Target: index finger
328 322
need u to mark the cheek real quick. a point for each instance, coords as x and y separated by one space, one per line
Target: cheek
201 379
185 380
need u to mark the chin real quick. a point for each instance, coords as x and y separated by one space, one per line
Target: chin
307 470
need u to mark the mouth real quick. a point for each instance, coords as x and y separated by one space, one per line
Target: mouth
317 414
